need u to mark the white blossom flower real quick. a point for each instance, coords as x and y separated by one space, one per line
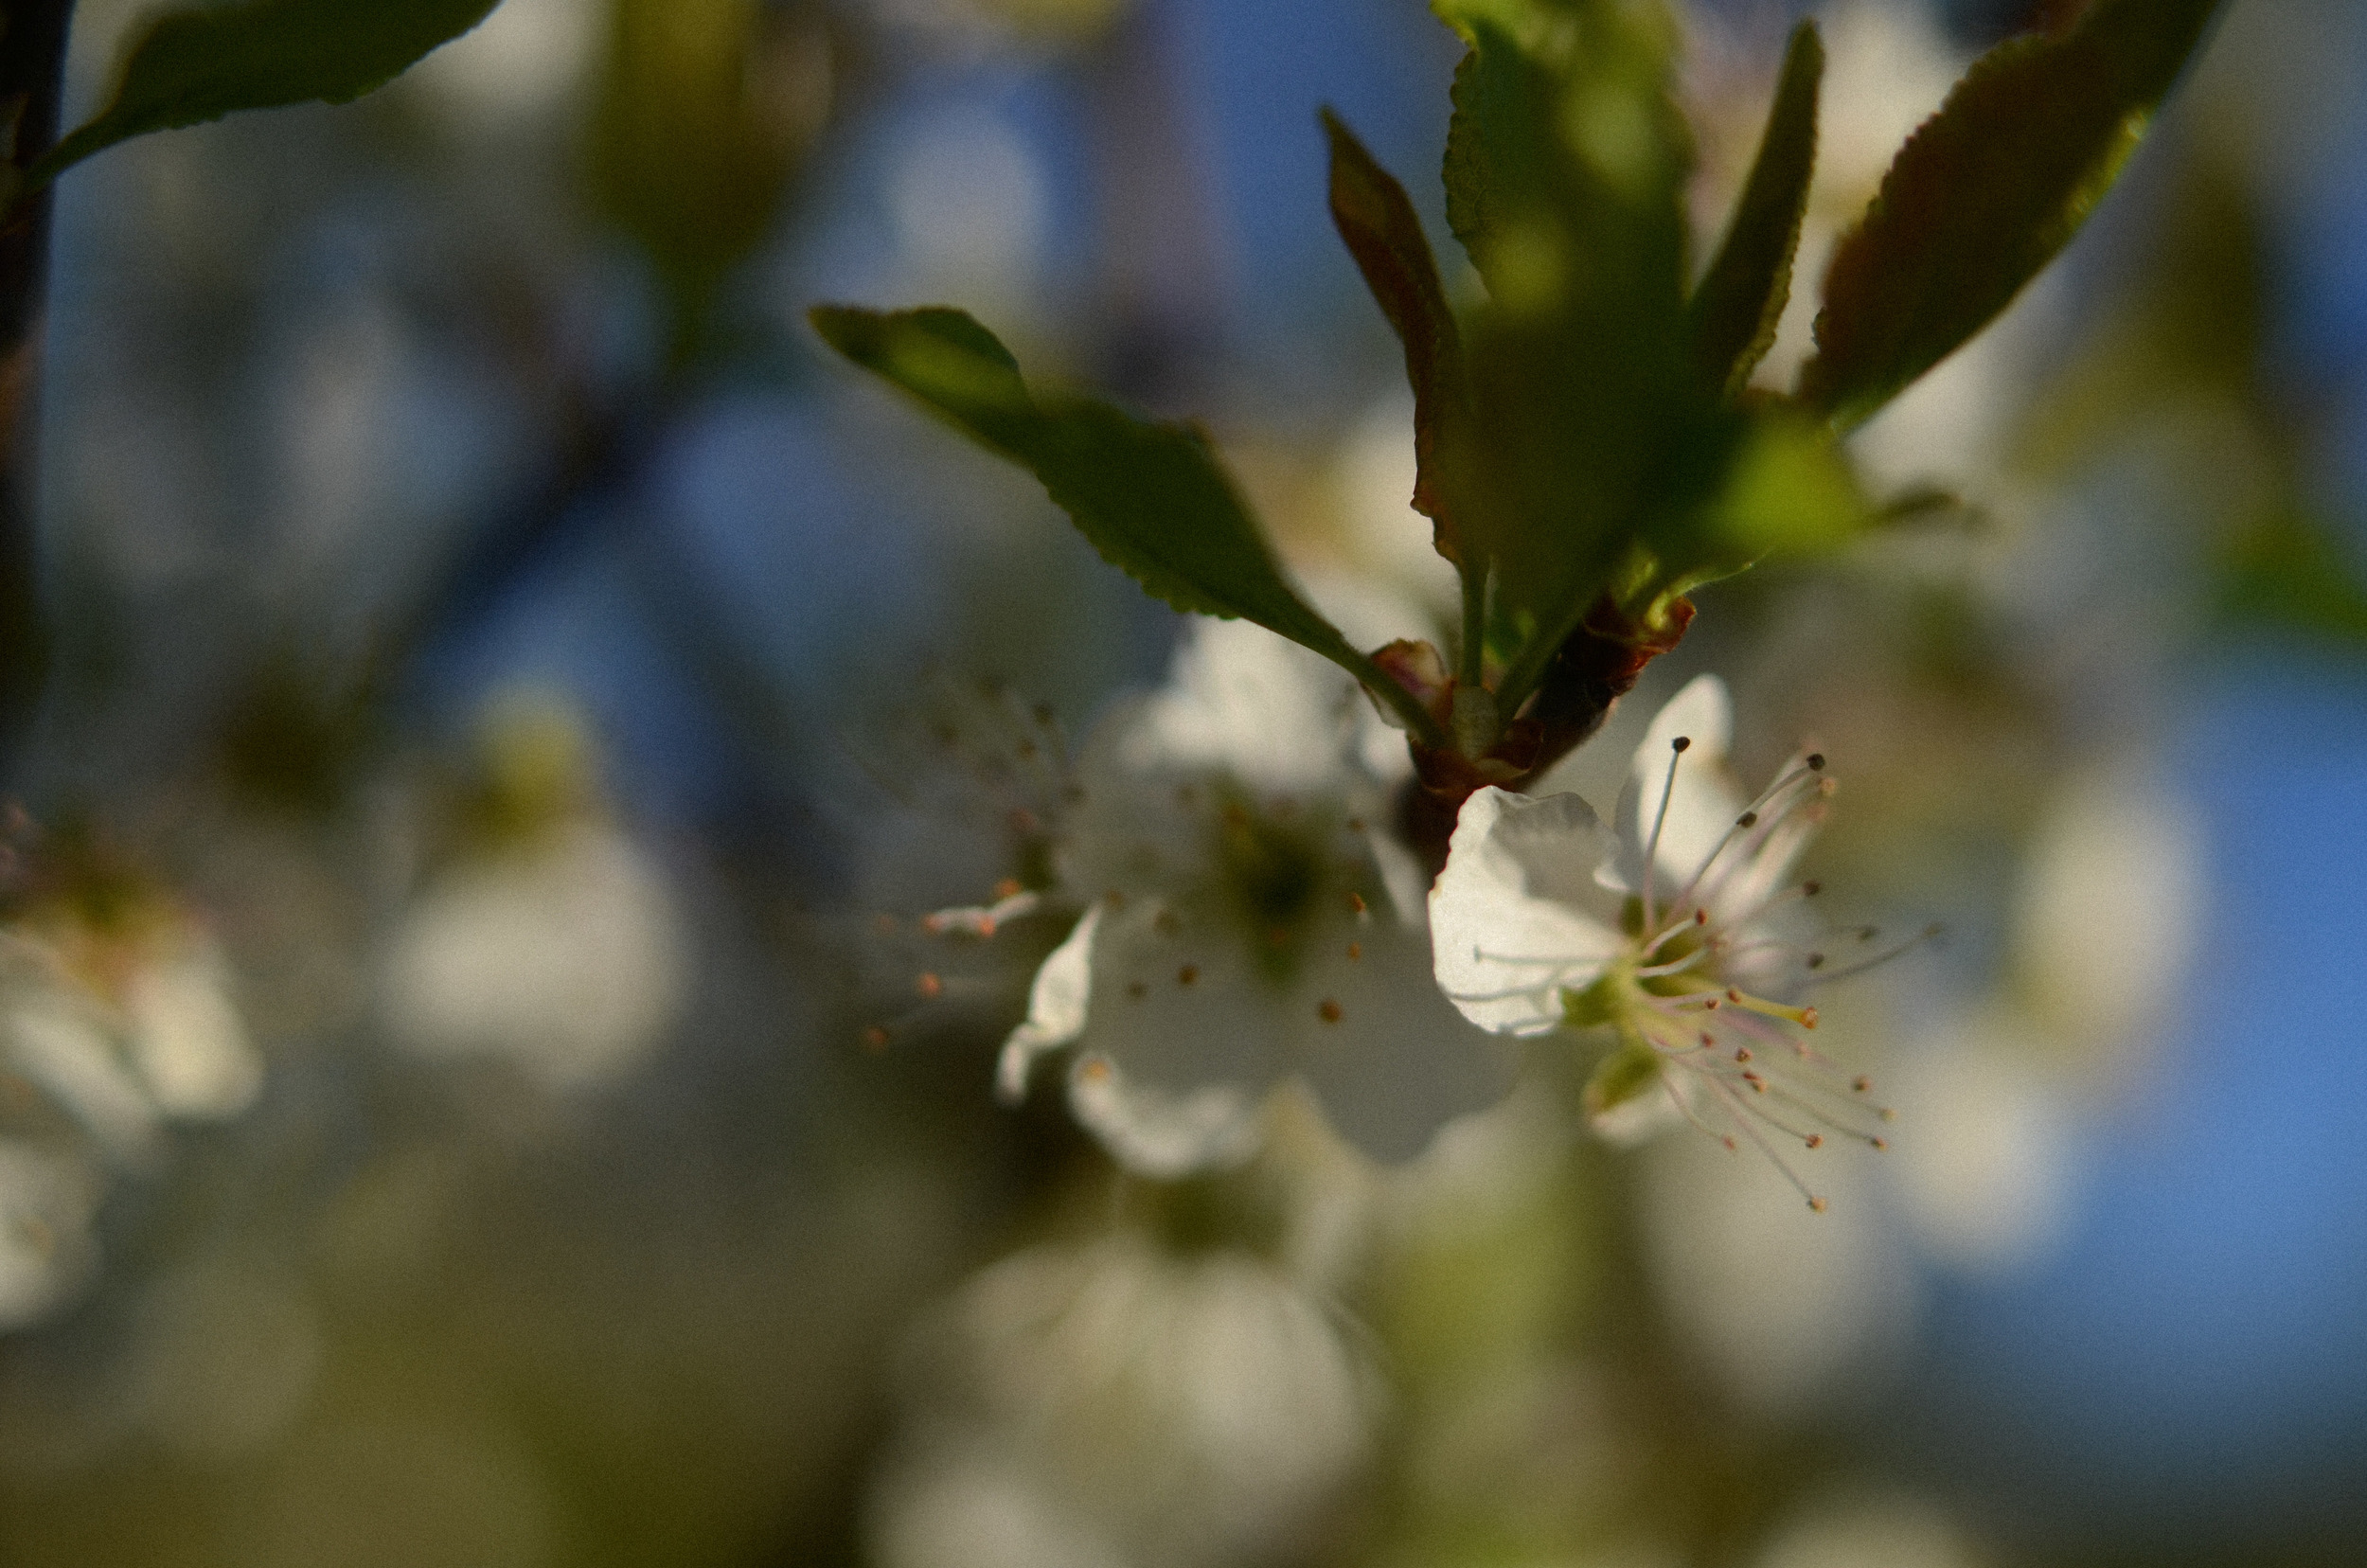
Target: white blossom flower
1248 917
1114 1402
1679 932
555 944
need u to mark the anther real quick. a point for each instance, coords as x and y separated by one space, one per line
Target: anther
1816 960
1880 1145
929 984
1006 888
1094 1070
1810 889
1729 1141
1808 1018
1748 819
1356 951
1356 904
1683 742
1816 1205
1861 1084
1816 761
1188 974
1742 1053
875 1037
1814 1140
1701 916
1328 1010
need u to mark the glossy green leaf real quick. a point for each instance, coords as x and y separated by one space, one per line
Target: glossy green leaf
1733 311
1375 219
192 66
1151 497
1986 192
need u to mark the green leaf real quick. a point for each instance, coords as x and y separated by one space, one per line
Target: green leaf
1986 192
1502 151
1377 220
1789 488
1733 311
1149 497
1565 170
192 66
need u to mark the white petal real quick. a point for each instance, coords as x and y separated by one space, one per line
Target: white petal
1389 1058
186 1037
1182 1004
1516 916
61 1045
1242 700
1055 1007
1161 1132
1701 806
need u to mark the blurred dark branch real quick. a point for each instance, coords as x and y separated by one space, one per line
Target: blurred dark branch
601 448
32 65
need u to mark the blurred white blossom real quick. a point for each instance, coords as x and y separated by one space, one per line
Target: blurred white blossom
1248 917
1112 1403
553 943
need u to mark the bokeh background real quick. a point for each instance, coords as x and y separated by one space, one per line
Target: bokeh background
493 755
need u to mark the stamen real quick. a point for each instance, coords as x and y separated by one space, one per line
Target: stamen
1659 819
1675 966
1804 1017
1743 824
1742 1121
1930 933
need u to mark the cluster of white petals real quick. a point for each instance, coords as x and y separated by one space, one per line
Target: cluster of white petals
111 1032
1247 918
1679 932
